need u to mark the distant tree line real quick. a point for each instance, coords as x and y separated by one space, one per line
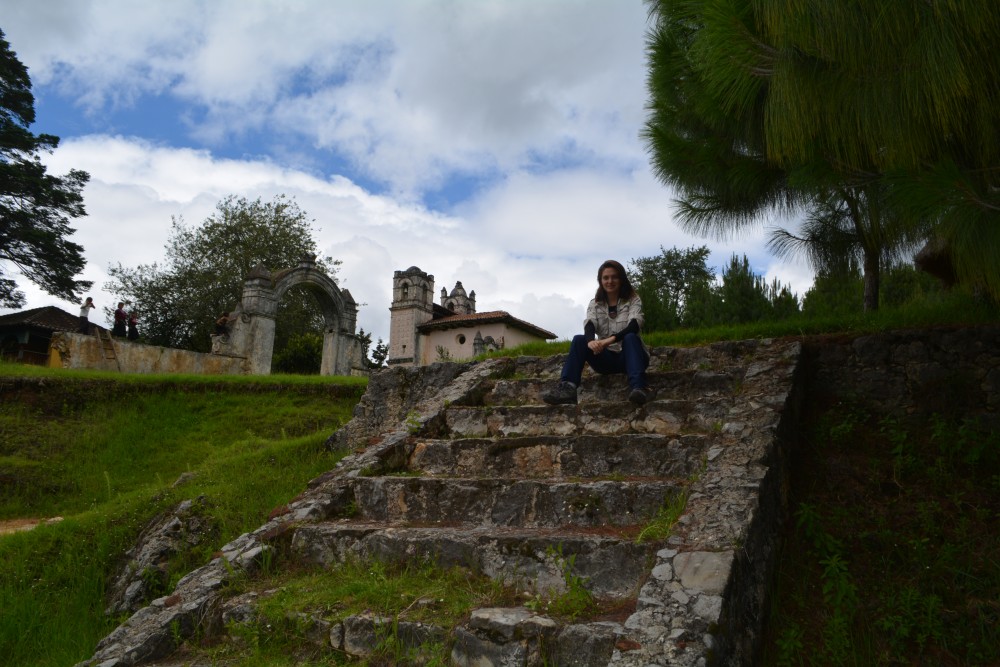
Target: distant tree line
679 290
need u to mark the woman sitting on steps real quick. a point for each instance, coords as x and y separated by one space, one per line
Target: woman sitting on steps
610 341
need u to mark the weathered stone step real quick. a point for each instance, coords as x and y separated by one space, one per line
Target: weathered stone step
557 457
541 561
665 417
492 635
663 359
520 636
683 384
505 502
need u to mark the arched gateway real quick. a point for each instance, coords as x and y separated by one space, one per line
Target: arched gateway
251 329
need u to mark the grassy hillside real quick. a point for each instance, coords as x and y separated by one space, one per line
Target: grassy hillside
105 454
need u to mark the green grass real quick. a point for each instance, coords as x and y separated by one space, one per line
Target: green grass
8 369
949 309
82 452
414 592
107 466
419 592
661 525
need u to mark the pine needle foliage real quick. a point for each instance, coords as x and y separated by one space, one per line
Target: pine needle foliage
885 111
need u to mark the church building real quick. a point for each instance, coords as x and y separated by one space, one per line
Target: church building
422 332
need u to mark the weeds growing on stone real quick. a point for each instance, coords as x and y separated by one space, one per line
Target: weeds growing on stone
292 604
413 423
660 526
574 600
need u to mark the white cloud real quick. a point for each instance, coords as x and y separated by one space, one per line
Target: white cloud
543 100
106 53
410 92
796 274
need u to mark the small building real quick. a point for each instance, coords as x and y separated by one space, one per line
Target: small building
422 332
25 335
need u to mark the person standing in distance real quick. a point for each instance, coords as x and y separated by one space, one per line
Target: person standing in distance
85 315
121 320
133 326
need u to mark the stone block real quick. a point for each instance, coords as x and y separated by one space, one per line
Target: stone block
704 571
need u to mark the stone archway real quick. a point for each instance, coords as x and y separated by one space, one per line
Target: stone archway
251 332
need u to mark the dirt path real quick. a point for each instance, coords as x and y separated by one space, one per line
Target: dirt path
15 525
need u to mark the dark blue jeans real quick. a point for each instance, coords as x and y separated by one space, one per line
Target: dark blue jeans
632 361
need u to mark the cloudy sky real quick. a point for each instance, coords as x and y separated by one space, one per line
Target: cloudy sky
494 142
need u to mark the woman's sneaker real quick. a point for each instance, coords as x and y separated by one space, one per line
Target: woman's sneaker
563 394
642 396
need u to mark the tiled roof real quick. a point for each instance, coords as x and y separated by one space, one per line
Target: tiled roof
491 317
48 317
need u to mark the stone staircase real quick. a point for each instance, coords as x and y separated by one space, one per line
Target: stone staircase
462 464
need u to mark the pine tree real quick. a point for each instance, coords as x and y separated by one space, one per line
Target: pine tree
35 206
887 111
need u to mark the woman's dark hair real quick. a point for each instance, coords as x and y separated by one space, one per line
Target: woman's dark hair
624 293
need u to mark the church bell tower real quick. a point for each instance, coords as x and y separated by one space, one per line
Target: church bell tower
412 305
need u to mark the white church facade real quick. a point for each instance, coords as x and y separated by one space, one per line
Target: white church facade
422 332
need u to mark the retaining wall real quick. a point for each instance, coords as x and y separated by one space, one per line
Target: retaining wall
912 374
78 351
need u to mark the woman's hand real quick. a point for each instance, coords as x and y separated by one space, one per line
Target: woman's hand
598 346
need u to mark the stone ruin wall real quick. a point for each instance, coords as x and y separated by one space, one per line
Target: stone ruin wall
77 352
911 374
